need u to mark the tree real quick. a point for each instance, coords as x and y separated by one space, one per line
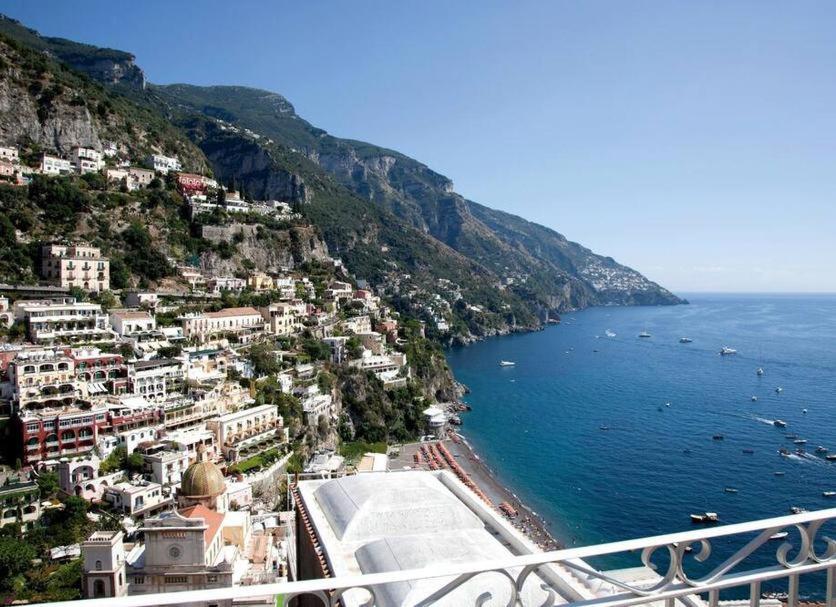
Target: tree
48 483
15 559
220 196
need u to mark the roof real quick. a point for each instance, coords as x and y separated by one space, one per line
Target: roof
151 364
202 479
226 312
214 520
132 315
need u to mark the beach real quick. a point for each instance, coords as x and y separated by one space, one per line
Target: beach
485 483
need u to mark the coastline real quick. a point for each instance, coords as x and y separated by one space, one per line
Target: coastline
528 521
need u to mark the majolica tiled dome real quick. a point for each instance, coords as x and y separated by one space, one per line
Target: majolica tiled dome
202 479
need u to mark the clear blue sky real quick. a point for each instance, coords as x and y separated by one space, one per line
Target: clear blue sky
694 141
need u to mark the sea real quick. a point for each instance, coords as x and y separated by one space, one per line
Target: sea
609 436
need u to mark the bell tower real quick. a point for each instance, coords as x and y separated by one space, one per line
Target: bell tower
103 556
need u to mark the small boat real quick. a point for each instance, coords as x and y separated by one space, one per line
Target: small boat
686 451
754 398
830 458
609 333
800 451
791 436
605 428
804 411
778 536
748 451
759 371
705 518
718 437
779 423
821 449
506 363
685 340
797 510
784 452
730 490
779 473
645 334
726 351
800 441
828 493
778 390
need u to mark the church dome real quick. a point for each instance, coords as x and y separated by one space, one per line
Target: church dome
202 479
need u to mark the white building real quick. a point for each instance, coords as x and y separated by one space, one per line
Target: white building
225 283
87 160
285 318
9 154
66 320
137 500
156 379
132 322
53 165
164 164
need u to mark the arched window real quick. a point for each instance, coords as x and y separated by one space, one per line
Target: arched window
68 435
98 565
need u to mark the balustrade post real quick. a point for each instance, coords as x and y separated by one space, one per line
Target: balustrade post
831 587
755 594
792 591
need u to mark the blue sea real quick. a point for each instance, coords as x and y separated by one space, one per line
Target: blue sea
538 424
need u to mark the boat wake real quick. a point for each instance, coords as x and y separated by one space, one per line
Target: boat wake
763 420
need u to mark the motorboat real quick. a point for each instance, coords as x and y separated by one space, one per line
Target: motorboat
685 340
705 518
797 510
830 458
730 490
754 398
779 423
645 334
759 371
726 351
778 536
718 437
609 333
804 411
800 441
828 493
784 452
821 449
506 363
604 428
778 390
779 473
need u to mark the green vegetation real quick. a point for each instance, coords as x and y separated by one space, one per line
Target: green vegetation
354 450
256 462
120 460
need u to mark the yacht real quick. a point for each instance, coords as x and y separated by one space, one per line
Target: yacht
645 334
726 351
759 371
705 517
830 458
828 493
685 340
506 363
779 423
730 490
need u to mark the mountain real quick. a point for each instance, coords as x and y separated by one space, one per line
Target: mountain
395 222
558 273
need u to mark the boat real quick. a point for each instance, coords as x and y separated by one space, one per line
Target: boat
685 340
779 473
730 490
821 449
784 452
779 423
778 390
506 363
830 457
718 437
748 451
705 518
605 428
759 371
667 404
726 351
778 536
800 451
800 441
828 493
609 333
754 398
797 510
645 334
804 411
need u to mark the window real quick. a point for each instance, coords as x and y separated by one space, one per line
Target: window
211 578
139 579
176 579
98 565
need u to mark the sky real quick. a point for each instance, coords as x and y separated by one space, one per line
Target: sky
693 141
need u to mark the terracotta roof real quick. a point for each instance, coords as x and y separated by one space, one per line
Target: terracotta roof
213 520
246 311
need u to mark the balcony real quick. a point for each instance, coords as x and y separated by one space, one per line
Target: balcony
679 570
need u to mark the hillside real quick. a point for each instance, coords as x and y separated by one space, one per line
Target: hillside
395 222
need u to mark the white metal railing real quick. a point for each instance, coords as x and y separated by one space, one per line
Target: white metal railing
805 550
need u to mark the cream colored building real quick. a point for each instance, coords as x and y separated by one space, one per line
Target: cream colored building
241 322
248 431
79 266
43 379
284 318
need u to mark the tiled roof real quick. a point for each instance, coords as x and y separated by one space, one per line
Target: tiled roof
214 520
246 311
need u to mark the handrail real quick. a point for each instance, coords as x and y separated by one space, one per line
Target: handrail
673 584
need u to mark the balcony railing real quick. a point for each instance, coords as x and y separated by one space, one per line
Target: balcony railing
684 572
